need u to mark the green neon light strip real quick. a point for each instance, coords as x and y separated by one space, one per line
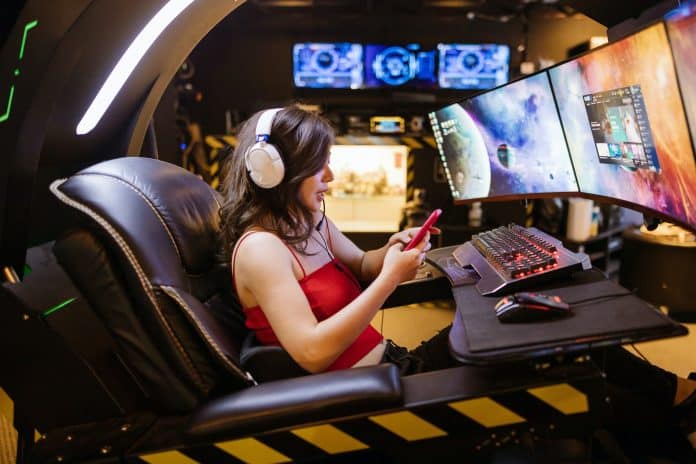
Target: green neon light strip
58 307
4 117
30 25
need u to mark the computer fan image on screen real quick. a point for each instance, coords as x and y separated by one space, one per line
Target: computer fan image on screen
399 66
328 65
472 66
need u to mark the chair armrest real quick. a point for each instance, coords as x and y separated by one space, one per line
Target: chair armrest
267 362
299 400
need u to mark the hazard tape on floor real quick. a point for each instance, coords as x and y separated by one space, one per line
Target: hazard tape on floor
486 416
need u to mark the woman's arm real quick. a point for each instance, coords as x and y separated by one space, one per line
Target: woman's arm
265 276
366 265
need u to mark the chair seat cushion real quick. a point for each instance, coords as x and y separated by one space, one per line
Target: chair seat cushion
299 400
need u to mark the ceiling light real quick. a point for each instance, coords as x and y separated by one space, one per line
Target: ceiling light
129 60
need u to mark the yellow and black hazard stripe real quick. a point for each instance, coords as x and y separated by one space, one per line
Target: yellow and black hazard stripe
489 421
214 144
8 434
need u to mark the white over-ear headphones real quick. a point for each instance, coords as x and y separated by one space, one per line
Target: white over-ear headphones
262 159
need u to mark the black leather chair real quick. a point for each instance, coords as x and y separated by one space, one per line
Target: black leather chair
143 258
145 353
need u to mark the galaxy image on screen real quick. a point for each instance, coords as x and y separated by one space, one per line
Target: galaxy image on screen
644 61
507 141
681 26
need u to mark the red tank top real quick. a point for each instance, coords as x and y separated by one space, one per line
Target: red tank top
328 289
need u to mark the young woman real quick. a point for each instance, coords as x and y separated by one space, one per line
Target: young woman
299 278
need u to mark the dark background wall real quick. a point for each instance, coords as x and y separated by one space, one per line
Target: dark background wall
245 63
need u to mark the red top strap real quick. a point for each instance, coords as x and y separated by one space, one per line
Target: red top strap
239 242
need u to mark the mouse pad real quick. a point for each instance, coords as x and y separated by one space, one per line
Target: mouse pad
614 314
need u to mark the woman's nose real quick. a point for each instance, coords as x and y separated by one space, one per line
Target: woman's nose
328 175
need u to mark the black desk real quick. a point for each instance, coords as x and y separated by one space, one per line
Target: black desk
477 337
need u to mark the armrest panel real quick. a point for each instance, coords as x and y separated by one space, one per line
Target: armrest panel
299 400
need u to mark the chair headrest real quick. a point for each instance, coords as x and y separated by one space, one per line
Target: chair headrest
164 212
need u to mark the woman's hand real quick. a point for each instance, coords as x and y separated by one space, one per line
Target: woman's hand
406 235
400 266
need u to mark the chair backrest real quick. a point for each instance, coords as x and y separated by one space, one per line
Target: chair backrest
145 256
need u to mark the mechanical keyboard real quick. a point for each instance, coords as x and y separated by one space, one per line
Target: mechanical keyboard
508 259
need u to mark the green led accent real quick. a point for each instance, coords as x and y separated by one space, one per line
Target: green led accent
30 25
4 117
27 270
16 72
58 307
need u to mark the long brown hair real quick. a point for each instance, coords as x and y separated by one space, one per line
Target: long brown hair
303 139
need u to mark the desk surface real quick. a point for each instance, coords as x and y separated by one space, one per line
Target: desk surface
619 318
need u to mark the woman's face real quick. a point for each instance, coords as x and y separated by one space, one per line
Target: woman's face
313 188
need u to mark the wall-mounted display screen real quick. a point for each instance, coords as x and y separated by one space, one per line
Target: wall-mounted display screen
328 65
399 66
625 124
472 66
507 141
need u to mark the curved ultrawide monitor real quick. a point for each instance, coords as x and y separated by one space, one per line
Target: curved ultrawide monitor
622 112
609 124
506 142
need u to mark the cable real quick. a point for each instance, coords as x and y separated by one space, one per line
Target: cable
640 354
600 297
323 216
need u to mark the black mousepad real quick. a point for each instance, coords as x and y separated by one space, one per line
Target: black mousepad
614 314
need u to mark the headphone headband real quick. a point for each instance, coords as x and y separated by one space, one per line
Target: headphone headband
264 124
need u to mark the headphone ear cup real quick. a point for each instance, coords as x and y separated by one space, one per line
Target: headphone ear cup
265 165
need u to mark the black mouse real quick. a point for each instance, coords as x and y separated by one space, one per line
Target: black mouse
531 307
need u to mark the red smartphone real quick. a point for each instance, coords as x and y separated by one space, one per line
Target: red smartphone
424 229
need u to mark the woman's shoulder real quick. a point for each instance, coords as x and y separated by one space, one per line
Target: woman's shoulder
258 238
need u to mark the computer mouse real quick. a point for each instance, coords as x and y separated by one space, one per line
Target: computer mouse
531 307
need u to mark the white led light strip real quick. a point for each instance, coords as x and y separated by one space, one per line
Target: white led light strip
128 62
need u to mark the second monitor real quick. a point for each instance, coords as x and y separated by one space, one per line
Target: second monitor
505 142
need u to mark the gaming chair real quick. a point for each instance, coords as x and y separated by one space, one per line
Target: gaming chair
153 329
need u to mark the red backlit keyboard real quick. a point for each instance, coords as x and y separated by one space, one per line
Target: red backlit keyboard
511 258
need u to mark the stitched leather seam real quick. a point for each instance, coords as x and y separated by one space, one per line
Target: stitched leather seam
174 294
147 201
197 378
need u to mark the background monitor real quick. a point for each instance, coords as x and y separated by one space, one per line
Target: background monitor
504 142
472 66
625 125
681 26
328 65
399 66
